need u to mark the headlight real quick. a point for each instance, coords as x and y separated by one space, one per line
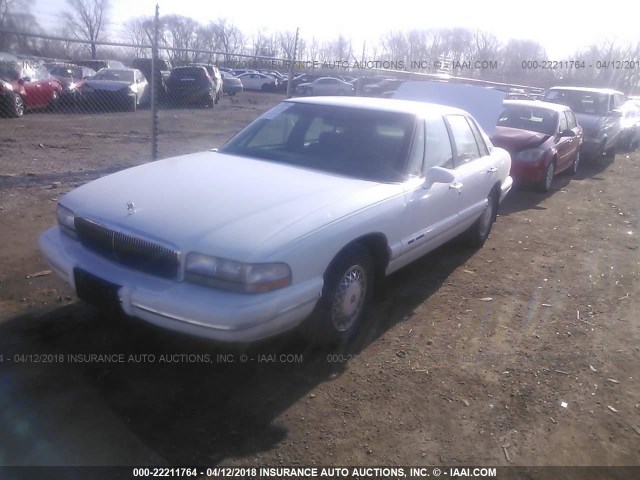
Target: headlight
66 220
236 276
531 155
6 86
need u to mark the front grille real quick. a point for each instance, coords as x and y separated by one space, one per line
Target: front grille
127 250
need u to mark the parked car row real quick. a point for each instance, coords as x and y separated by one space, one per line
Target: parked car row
28 84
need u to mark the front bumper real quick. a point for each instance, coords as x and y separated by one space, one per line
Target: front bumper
528 172
184 306
592 148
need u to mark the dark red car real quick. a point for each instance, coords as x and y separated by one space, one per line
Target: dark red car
25 85
543 139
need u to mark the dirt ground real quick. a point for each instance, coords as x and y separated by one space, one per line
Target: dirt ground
525 352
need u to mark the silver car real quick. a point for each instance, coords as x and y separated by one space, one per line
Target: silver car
598 113
325 86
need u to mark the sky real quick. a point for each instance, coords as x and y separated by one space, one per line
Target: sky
561 26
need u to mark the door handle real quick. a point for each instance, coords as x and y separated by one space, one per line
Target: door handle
456 186
492 170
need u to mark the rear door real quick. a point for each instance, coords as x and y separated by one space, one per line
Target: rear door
475 173
565 146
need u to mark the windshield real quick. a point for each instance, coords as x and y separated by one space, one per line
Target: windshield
360 143
528 118
113 74
9 70
66 72
580 102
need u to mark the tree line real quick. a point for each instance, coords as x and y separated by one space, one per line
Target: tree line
184 39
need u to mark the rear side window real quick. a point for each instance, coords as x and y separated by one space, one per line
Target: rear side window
464 139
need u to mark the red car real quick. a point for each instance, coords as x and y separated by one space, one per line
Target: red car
543 139
25 85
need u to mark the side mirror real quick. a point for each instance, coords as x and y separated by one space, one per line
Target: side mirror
616 113
24 80
568 133
438 175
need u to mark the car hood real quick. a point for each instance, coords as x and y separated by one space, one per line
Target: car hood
516 139
484 104
220 204
590 121
107 85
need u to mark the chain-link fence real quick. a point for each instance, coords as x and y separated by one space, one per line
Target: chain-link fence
176 100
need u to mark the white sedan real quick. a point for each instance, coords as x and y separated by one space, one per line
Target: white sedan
325 86
258 81
292 222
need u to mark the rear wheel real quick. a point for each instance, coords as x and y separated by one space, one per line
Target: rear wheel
479 232
132 105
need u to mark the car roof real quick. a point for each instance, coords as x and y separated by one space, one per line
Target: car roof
609 91
557 107
379 104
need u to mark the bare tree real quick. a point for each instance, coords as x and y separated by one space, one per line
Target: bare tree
229 38
86 20
140 32
16 15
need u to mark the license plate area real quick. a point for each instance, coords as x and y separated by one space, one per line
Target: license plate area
95 290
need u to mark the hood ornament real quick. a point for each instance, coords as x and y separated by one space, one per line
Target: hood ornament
131 208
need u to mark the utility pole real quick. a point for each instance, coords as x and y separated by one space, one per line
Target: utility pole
291 62
154 87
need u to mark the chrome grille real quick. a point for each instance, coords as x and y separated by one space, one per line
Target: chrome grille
128 250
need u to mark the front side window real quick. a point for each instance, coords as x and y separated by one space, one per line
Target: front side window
438 152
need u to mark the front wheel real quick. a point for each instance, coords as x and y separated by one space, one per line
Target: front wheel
16 108
576 162
479 232
547 180
346 295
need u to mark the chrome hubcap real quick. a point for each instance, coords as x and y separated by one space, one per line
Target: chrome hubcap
349 298
485 220
549 177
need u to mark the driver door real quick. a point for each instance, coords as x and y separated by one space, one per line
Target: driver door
431 211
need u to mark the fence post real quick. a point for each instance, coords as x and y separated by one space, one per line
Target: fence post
154 87
291 62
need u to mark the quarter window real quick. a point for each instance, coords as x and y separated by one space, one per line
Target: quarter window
465 142
571 120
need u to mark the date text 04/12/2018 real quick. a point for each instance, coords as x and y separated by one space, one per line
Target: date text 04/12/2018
580 64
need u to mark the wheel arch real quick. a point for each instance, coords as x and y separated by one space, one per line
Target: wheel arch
377 245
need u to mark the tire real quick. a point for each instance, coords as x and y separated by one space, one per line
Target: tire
348 281
16 109
479 232
265 87
547 180
54 103
576 164
611 152
210 101
132 105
